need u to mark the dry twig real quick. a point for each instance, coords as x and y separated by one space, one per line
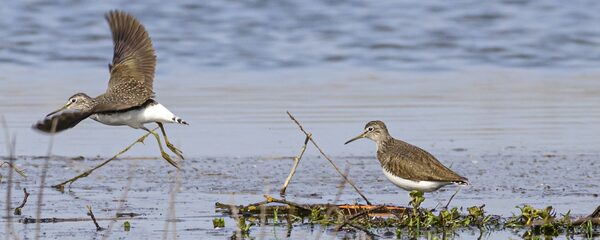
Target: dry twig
356 215
91 214
296 162
61 186
451 197
18 209
309 136
283 201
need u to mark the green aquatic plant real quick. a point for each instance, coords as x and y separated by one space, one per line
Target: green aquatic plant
126 226
318 215
276 216
588 229
218 222
244 227
417 222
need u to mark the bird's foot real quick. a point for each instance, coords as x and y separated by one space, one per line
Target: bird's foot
169 160
175 150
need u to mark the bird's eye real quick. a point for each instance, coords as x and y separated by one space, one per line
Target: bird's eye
73 100
370 129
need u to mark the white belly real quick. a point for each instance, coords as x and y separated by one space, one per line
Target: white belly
409 185
138 117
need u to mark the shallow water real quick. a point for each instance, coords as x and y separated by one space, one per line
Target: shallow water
499 181
507 98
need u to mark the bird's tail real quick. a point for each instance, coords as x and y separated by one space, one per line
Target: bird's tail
177 119
462 182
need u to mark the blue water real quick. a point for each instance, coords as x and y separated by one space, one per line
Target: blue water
507 93
262 34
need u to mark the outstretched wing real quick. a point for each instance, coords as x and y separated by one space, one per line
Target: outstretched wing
61 121
132 68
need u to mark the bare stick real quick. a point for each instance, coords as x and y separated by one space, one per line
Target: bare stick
122 202
283 201
296 162
91 214
40 193
594 217
10 144
18 209
61 186
450 200
309 136
356 215
14 168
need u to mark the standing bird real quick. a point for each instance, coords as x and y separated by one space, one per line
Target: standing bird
129 97
407 166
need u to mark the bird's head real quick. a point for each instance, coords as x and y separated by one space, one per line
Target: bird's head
79 101
374 130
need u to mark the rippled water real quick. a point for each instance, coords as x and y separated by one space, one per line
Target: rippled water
507 92
254 34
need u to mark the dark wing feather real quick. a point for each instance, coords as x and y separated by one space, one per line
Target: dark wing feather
132 69
411 162
61 121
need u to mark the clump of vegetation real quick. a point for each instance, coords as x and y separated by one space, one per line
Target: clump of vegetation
544 222
244 227
414 221
126 226
218 223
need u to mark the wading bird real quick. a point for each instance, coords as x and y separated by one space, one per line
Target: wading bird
407 166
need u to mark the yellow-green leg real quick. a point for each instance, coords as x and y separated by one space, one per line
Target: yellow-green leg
162 151
173 149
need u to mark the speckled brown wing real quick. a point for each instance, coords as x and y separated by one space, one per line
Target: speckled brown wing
132 68
411 162
61 121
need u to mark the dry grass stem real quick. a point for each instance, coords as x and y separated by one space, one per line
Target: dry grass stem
40 197
91 214
309 136
271 199
61 186
171 219
11 146
20 207
356 215
451 197
122 202
296 162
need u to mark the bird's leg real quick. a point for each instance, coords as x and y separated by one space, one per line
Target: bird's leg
173 149
163 153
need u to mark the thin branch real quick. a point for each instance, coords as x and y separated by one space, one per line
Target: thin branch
14 168
356 215
122 202
40 193
308 135
452 197
11 145
296 162
283 201
61 186
18 209
594 217
91 214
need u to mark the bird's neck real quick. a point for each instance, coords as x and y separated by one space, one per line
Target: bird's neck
383 142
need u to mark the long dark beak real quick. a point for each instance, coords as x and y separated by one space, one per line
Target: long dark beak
362 135
62 108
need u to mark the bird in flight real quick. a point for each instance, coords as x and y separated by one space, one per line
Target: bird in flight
128 99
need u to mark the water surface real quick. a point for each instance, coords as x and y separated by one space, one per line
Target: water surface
505 92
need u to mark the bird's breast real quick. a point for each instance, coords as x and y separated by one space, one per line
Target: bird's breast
409 185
